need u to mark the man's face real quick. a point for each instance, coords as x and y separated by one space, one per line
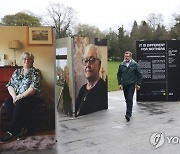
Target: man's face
91 65
127 57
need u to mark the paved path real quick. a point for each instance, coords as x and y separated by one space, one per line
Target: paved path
108 132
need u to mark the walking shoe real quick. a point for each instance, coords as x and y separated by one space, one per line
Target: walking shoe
127 117
8 137
22 134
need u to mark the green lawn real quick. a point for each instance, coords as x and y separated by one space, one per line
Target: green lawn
112 75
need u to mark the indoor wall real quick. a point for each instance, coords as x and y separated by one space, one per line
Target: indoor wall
43 53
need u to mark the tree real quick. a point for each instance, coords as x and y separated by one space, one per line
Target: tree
155 20
62 18
161 33
175 30
21 19
134 36
135 31
88 31
121 35
113 48
145 31
123 42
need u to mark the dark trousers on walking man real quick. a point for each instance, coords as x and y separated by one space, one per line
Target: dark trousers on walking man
129 77
128 94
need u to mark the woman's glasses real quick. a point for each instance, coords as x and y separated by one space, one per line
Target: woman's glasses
28 59
90 60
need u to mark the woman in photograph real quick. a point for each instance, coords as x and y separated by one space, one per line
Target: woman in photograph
92 96
24 88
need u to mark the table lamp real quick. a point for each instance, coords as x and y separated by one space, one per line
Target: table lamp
15 44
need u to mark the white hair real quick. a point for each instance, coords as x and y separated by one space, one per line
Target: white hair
27 54
94 48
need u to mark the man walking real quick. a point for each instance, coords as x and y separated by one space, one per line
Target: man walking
129 77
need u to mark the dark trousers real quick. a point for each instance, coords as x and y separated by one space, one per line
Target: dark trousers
18 112
128 94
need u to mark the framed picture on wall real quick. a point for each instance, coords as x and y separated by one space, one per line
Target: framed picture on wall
40 35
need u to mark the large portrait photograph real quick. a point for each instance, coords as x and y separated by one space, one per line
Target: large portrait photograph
90 66
81 71
27 93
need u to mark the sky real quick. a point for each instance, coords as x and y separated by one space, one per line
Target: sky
104 14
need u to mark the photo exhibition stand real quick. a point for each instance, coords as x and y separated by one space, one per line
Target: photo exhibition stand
70 70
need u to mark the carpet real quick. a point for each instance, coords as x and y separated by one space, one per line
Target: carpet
30 143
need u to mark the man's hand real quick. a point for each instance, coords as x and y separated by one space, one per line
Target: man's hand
137 87
120 87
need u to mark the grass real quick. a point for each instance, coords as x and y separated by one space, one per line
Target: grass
112 75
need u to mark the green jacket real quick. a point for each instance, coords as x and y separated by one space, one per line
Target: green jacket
129 75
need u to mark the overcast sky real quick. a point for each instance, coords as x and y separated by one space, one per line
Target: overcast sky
104 14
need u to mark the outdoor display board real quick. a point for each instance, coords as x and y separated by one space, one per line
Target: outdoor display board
173 70
71 74
159 62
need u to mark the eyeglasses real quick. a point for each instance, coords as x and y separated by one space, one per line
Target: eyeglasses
90 60
28 59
